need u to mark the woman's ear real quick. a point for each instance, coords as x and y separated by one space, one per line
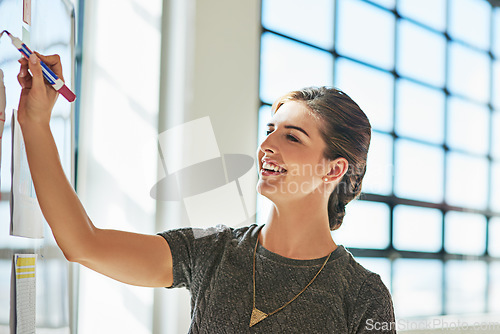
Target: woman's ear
337 169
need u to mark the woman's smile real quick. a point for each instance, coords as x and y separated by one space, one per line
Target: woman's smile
270 167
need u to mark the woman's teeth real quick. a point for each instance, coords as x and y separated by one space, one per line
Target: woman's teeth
272 167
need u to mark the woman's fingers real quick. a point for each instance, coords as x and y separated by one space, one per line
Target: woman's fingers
37 97
24 77
53 62
36 72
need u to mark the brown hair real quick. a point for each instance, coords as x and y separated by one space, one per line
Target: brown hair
346 131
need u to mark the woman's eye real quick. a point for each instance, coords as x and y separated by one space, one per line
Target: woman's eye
288 136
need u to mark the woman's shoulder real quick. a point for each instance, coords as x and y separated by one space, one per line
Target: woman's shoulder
365 293
221 230
350 265
358 277
218 232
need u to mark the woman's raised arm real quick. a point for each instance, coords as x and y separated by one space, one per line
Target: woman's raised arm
132 258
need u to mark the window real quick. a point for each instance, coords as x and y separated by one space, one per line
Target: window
425 73
50 36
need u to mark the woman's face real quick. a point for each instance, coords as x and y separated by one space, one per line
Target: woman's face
291 162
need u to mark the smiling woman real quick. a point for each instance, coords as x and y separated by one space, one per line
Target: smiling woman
285 276
311 164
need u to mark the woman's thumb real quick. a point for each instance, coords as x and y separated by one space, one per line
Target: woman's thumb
36 70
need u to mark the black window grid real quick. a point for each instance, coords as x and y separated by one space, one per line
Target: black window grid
391 252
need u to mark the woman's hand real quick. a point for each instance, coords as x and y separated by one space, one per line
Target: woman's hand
37 95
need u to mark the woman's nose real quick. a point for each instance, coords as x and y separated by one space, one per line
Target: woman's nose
268 144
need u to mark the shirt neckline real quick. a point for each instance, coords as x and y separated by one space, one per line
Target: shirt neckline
261 251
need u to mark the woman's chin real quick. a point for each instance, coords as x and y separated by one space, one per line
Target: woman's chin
266 190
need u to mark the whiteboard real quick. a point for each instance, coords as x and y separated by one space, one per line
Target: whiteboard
52 31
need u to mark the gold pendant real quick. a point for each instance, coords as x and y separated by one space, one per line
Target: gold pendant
257 316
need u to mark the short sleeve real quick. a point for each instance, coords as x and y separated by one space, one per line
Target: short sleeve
374 311
194 251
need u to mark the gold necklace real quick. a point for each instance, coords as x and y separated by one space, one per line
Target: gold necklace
258 315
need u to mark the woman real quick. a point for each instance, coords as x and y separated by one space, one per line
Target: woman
287 276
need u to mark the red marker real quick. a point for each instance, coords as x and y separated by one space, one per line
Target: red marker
50 76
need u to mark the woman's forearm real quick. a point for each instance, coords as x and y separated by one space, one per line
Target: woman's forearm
59 203
124 256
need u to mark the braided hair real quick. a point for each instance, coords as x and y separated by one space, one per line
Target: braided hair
346 131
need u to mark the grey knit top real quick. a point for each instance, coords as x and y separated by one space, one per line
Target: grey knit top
215 265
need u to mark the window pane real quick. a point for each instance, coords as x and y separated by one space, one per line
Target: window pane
5 219
470 22
495 134
419 112
386 3
8 241
495 188
496 33
415 293
421 54
378 177
495 99
5 274
465 286
465 233
7 52
10 69
494 240
494 291
428 12
365 33
370 88
412 159
468 126
466 181
5 160
265 115
417 229
288 65
264 206
51 286
366 225
469 73
263 203
310 21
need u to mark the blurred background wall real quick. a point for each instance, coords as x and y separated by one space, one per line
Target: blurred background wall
148 66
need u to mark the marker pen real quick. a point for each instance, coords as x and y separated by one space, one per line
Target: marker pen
50 76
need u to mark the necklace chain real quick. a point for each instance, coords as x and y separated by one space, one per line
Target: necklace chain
258 315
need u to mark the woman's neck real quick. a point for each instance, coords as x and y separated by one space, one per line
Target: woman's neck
298 232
